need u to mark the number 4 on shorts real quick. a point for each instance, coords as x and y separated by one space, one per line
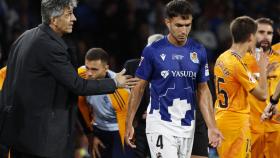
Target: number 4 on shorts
159 142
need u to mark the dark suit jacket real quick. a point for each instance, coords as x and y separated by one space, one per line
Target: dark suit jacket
40 92
131 67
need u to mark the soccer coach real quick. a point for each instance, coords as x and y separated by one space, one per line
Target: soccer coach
39 95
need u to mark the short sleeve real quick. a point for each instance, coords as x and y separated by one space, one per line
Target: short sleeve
145 68
203 74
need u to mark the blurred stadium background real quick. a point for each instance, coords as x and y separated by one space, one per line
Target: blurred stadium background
121 27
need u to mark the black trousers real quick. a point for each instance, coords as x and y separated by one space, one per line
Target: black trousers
68 152
200 144
113 144
142 148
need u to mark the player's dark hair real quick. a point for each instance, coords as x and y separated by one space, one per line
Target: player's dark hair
97 54
265 21
241 28
177 8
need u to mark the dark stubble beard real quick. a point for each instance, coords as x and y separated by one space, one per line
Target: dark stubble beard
265 48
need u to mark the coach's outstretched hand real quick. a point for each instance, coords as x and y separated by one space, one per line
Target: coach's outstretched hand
125 81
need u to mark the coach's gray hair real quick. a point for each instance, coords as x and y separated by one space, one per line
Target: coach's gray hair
54 8
153 38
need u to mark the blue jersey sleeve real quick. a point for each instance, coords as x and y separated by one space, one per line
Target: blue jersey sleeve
203 74
144 71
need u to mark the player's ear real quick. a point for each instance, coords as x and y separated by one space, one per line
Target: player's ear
251 38
167 22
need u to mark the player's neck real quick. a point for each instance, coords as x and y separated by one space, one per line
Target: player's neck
174 41
238 48
268 51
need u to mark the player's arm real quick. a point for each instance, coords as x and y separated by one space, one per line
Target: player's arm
260 91
133 104
271 108
206 107
276 94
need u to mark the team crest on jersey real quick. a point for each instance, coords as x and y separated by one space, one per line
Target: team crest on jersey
194 57
163 56
142 58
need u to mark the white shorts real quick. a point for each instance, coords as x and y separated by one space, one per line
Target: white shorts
164 146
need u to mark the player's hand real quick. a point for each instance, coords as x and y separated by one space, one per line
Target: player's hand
96 146
128 138
83 75
215 137
268 112
263 61
125 81
270 68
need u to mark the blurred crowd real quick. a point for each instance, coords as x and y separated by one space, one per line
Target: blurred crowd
121 27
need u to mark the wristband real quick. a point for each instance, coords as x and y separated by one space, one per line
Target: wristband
272 101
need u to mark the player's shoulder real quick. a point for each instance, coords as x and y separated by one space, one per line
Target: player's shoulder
155 47
276 47
196 47
224 65
249 58
228 59
158 44
195 44
225 55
